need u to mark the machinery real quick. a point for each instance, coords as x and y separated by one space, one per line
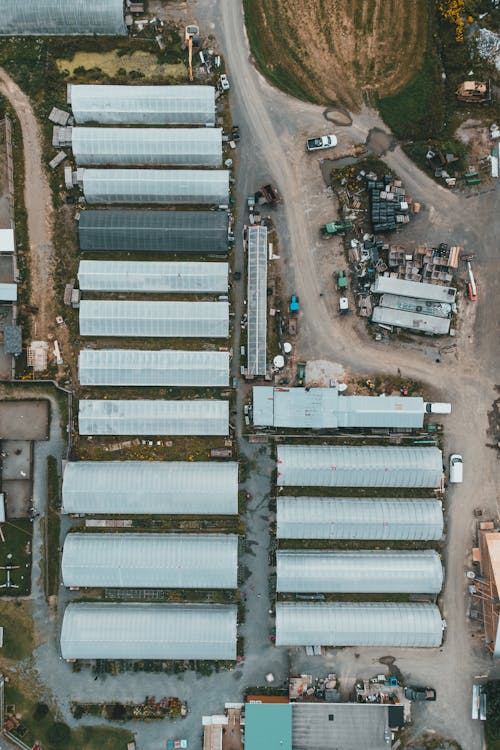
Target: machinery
335 227
342 282
471 286
474 92
191 38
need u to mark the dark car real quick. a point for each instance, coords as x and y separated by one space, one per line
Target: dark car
235 133
420 694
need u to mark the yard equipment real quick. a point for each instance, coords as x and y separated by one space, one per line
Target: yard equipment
471 286
191 38
294 305
474 92
301 373
267 195
343 305
342 282
335 227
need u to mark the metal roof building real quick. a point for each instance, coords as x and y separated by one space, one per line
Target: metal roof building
8 292
414 321
141 367
358 624
148 631
61 18
127 230
150 488
141 417
148 276
411 304
154 319
358 466
359 572
353 518
175 186
417 289
257 300
355 725
142 105
325 408
165 561
183 147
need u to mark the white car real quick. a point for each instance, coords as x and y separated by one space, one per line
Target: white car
224 82
456 468
437 407
321 142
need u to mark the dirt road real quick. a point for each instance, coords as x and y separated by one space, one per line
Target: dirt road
38 201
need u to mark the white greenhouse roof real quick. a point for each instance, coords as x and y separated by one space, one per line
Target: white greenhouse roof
354 518
141 367
150 488
141 417
142 105
61 18
154 319
175 186
8 292
359 572
325 408
164 561
358 624
149 631
359 466
149 276
184 147
405 288
414 321
257 300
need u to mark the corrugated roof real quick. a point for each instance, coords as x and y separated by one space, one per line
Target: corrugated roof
144 368
155 417
408 519
359 466
8 292
61 18
147 146
405 288
355 726
153 231
412 320
148 631
257 300
150 487
12 339
154 319
360 571
147 276
410 304
358 624
143 105
170 561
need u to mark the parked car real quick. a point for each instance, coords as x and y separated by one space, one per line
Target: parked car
456 468
235 133
437 407
224 82
321 142
420 694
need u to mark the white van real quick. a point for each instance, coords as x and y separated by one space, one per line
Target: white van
437 407
456 468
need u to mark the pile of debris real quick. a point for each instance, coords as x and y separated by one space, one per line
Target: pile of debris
304 688
389 204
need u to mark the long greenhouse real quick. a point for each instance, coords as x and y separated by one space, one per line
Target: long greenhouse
150 488
61 18
257 300
149 276
150 417
141 105
174 186
164 561
184 147
141 367
154 319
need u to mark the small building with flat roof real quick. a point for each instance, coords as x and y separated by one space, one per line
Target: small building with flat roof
414 321
406 288
268 726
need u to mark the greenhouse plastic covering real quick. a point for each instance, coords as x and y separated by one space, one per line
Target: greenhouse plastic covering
61 17
147 146
141 417
154 231
93 630
358 624
175 186
165 561
150 487
407 519
359 572
257 300
154 319
359 466
142 367
148 276
142 105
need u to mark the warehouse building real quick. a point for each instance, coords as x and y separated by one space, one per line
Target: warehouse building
149 631
359 572
384 519
150 488
397 625
430 324
154 319
142 105
487 584
128 230
174 186
61 18
183 147
141 417
406 288
163 561
359 466
257 301
148 276
326 408
141 367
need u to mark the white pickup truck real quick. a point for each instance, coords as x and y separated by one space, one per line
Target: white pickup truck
321 142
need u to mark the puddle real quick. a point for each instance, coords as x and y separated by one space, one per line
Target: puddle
111 62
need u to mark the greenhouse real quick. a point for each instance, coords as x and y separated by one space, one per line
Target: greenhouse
154 319
183 147
149 276
257 301
142 105
142 367
61 17
175 186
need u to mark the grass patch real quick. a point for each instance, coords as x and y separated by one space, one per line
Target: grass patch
52 529
16 620
16 552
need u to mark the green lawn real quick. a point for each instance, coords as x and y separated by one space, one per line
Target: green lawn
16 552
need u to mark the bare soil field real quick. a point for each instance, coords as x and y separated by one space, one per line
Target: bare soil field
341 51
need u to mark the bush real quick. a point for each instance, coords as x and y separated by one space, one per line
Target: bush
58 735
41 711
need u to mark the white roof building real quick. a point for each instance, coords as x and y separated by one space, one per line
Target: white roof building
406 288
149 276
